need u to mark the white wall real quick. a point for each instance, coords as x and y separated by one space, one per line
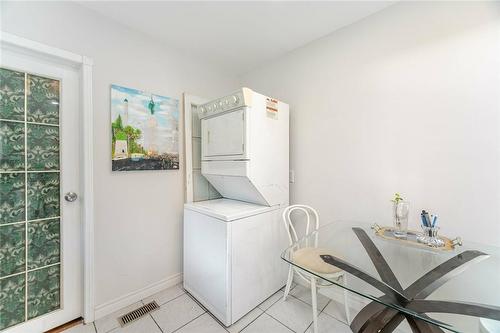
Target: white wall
138 214
406 100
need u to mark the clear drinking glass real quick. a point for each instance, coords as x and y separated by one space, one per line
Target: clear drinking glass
401 210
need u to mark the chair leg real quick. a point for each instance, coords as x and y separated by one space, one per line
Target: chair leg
314 304
346 304
288 282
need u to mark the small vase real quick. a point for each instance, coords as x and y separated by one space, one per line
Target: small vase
400 211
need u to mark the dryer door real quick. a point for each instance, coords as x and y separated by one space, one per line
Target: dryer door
223 136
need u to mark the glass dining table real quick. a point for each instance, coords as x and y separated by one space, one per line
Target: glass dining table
397 286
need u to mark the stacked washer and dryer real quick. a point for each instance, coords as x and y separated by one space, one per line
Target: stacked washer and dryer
232 246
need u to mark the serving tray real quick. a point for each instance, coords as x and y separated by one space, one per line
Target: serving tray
411 239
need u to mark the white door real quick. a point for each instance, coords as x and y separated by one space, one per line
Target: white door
40 227
223 135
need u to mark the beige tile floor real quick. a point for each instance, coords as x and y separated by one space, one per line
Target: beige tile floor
179 312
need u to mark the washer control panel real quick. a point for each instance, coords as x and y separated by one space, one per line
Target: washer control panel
220 105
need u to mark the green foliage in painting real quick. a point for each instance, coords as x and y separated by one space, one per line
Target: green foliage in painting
128 133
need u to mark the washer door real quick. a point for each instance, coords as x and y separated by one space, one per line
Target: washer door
224 136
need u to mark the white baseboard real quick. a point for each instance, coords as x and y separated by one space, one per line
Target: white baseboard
135 296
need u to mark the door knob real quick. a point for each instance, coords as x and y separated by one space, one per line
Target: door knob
70 196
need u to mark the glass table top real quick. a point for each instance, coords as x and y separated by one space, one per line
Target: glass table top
400 286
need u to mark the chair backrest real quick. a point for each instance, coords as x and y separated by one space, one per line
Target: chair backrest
289 225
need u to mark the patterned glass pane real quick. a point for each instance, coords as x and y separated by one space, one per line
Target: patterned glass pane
43 195
29 197
43 147
12 293
43 100
11 94
12 249
12 207
11 146
43 291
43 243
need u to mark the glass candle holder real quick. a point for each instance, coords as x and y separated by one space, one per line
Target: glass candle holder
400 214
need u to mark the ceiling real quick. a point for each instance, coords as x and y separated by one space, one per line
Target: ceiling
238 36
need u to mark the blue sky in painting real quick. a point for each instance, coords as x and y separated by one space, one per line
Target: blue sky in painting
166 114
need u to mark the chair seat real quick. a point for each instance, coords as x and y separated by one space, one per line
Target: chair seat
309 258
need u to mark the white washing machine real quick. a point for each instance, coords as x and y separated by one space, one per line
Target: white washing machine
232 255
232 246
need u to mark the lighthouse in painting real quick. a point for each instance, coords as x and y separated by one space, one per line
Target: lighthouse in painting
121 142
125 112
150 130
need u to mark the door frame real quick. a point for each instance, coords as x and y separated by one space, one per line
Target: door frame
84 65
189 100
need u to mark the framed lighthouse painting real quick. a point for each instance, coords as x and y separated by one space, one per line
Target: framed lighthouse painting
144 130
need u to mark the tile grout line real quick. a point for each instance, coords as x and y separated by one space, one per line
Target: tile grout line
205 311
281 289
162 304
197 302
155 320
244 327
303 303
189 322
298 299
217 321
319 314
329 315
322 311
150 315
340 321
280 322
329 300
